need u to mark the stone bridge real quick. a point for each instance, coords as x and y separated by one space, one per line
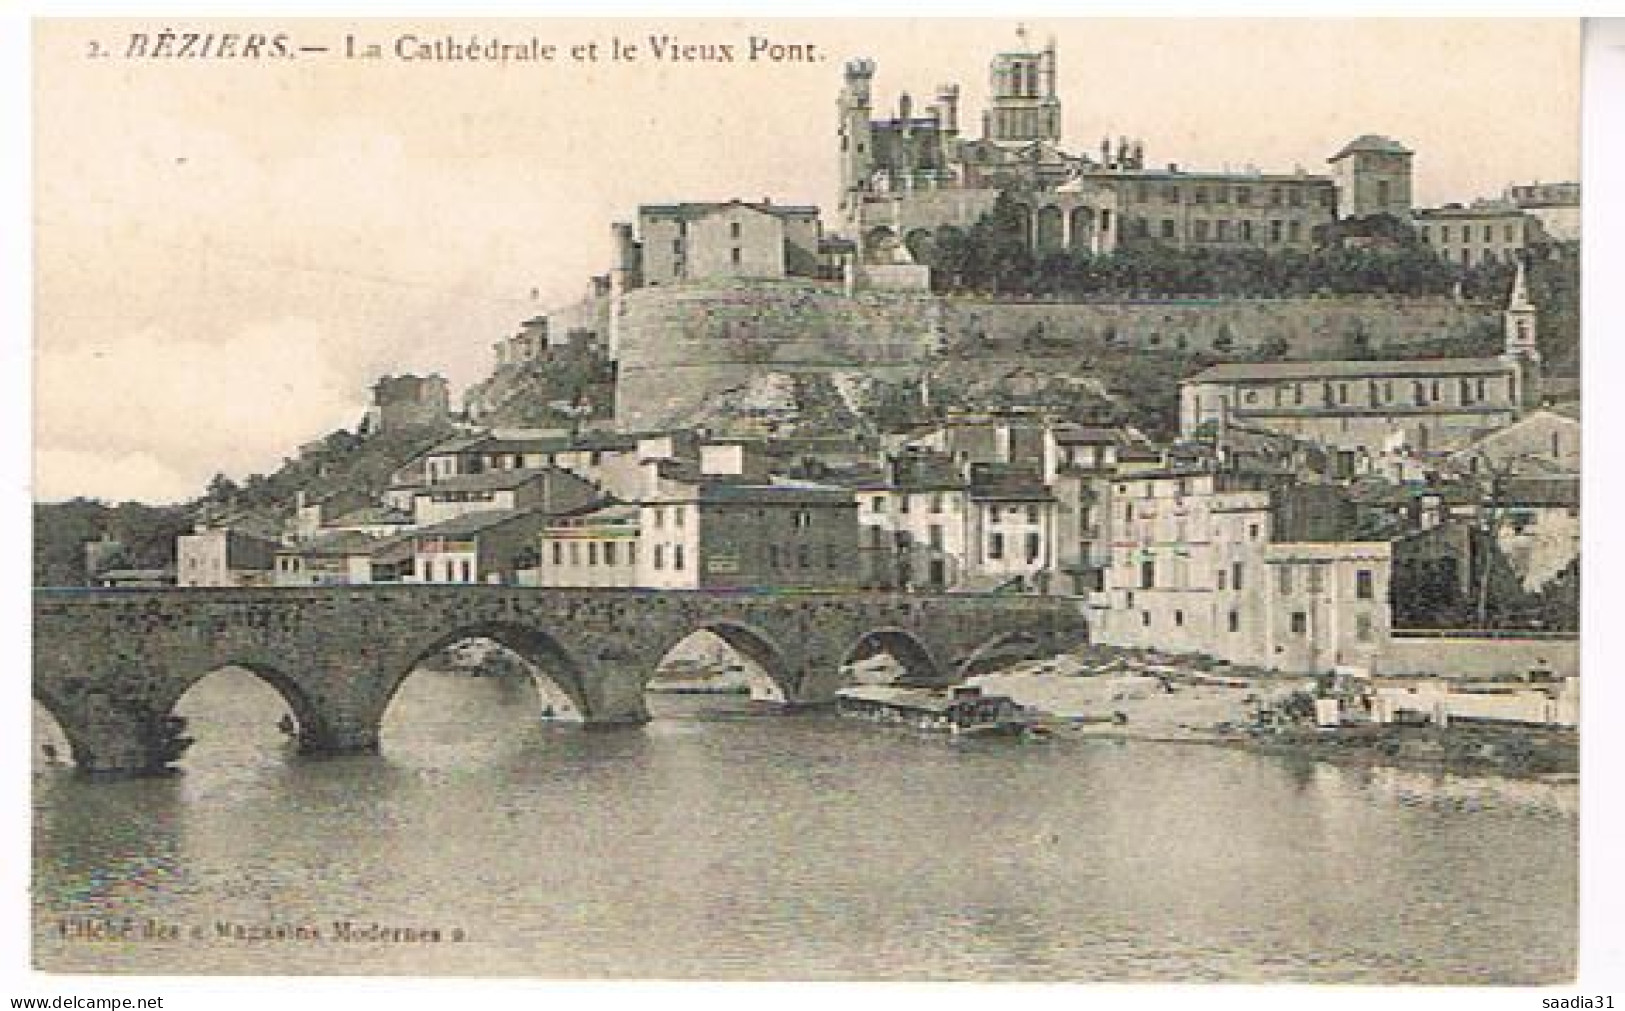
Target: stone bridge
110 665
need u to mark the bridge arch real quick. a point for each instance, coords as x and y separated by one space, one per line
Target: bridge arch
749 641
307 716
919 664
546 656
1002 649
61 716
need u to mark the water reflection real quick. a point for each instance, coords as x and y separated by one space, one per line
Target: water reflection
720 843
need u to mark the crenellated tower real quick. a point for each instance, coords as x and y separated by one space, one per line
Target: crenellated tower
857 144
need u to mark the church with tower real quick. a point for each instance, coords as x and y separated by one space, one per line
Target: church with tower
1426 405
906 175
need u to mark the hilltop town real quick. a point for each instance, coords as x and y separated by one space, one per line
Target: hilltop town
1284 422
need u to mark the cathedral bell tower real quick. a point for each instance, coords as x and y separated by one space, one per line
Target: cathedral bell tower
1024 105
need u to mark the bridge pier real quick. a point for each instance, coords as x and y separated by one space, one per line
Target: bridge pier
331 738
122 737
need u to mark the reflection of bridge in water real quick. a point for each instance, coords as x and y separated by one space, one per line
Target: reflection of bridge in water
111 665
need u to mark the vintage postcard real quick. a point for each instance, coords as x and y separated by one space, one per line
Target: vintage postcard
751 499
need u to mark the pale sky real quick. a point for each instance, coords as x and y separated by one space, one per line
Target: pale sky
229 252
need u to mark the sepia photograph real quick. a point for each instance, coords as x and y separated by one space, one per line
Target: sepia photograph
749 499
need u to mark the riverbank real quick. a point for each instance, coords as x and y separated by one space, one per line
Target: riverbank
1110 694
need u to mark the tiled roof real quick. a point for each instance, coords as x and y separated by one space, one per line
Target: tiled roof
375 515
490 480
1090 435
787 493
999 483
692 211
475 522
336 544
1247 371
1535 491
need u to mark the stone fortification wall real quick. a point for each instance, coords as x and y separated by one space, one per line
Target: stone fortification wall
1312 327
680 345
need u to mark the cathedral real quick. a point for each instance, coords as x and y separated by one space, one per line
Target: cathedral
905 176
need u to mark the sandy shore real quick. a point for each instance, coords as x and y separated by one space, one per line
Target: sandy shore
1170 705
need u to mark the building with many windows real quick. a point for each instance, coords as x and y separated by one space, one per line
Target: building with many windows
735 240
1424 404
596 545
905 175
726 533
1485 231
1243 568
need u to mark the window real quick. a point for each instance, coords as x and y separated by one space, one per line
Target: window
558 553
1235 575
660 556
1362 627
803 556
1201 195
609 552
877 504
1246 231
935 537
1032 514
679 515
734 256
1294 230
1295 198
1179 618
733 230
995 546
1168 228
677 557
1221 574
831 559
1275 231
1317 579
1362 584
1145 618
1201 230
773 559
1244 196
575 553
677 246
1300 623
1234 622
660 517
993 514
902 503
1035 547
1148 574
1283 580
468 571
592 552
1223 231
936 502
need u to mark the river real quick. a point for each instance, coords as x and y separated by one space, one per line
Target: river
718 842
